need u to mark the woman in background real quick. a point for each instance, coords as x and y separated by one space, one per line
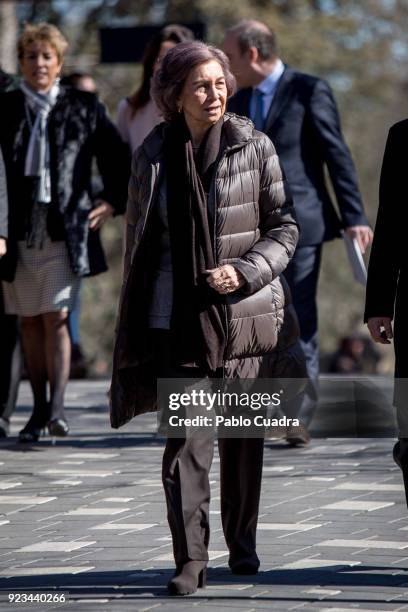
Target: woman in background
8 323
83 81
138 114
49 135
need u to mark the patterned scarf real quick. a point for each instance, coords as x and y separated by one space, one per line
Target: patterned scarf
37 162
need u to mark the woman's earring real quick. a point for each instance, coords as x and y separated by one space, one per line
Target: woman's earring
180 109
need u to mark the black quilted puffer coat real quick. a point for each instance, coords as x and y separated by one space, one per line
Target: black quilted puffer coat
255 231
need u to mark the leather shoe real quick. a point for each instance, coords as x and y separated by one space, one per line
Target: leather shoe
245 568
4 427
58 428
275 432
296 435
400 455
247 565
32 430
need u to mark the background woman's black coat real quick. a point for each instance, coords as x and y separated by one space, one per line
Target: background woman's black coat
387 285
79 131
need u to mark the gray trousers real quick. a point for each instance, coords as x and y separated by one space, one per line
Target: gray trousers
185 475
302 275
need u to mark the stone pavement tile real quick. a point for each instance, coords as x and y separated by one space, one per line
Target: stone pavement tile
355 594
342 607
118 527
45 570
369 506
292 527
376 487
372 543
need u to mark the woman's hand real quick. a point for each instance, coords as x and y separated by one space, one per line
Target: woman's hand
3 246
225 279
100 214
375 324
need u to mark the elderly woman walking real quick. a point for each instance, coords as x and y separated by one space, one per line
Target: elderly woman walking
210 228
49 135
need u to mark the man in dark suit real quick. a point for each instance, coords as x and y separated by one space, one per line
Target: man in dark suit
298 112
387 283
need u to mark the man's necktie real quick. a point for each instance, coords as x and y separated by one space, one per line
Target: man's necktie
259 104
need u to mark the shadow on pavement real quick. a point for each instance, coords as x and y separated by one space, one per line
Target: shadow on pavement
153 582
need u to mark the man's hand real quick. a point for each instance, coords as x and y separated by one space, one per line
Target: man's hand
3 246
363 234
225 279
100 214
375 326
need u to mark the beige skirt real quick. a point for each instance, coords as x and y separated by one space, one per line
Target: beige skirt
44 281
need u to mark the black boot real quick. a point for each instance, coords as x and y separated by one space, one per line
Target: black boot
36 424
4 427
31 431
189 577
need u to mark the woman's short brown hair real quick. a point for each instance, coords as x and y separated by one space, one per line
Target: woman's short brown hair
175 68
45 32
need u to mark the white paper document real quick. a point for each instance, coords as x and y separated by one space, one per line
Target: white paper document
355 258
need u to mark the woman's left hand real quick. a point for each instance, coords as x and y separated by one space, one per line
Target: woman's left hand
225 279
100 214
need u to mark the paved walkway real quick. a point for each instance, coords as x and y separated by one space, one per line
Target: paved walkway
86 518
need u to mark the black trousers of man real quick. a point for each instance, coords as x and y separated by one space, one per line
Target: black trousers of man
185 474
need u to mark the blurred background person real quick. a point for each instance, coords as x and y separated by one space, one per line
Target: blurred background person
355 354
7 81
10 354
387 283
299 114
49 136
138 114
83 81
8 323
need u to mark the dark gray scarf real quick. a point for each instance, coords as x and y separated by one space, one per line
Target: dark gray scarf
37 161
198 318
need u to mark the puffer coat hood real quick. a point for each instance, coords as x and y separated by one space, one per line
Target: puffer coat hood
255 231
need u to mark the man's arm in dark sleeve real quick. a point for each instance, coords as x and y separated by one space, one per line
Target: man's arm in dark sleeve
278 226
113 161
384 266
326 121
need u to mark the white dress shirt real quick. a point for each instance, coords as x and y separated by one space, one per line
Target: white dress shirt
268 87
